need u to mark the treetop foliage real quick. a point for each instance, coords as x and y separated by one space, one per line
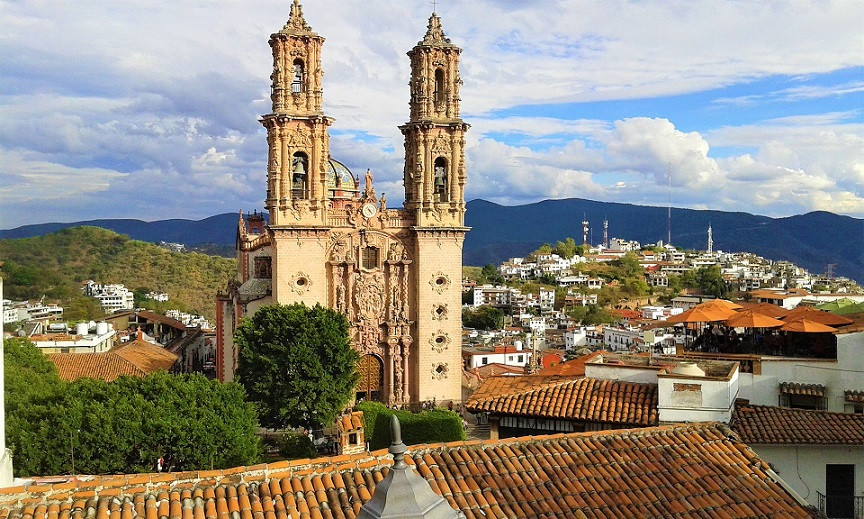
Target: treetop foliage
297 364
123 426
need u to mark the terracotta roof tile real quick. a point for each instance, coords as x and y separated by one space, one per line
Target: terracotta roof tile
582 399
758 424
683 471
136 359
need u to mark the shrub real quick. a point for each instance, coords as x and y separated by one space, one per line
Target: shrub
434 426
294 446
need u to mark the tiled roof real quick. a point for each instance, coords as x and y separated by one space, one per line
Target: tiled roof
759 424
159 318
854 397
683 471
571 368
796 388
584 399
136 359
350 422
104 366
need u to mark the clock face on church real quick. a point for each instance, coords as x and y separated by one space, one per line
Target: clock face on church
369 210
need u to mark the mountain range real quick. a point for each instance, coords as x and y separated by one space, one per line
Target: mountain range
813 240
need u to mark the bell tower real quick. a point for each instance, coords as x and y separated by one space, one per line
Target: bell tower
297 136
434 174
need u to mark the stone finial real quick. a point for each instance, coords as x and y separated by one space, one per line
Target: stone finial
404 494
434 32
296 22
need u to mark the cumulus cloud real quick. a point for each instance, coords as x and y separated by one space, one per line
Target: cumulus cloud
150 110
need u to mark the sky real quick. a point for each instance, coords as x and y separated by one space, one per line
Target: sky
149 109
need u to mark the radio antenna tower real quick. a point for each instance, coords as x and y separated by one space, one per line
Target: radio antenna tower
606 233
584 230
710 239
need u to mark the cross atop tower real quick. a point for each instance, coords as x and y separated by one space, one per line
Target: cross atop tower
434 6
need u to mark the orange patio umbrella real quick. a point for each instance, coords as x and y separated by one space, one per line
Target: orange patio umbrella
817 316
699 315
770 310
751 319
722 303
725 309
802 325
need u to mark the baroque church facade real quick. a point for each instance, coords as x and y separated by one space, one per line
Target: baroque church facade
331 240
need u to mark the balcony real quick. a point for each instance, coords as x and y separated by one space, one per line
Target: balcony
841 507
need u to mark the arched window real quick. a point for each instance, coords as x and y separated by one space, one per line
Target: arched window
440 180
439 85
297 82
299 175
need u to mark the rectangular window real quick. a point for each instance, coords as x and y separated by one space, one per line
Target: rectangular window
521 357
485 360
370 258
263 267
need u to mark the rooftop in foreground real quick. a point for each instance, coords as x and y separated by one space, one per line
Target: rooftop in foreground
678 471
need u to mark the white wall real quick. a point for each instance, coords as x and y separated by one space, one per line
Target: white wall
623 373
847 373
803 467
695 399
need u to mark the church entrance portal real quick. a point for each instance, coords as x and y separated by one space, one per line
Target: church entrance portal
371 372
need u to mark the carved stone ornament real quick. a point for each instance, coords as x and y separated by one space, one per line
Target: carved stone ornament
439 312
440 282
439 371
440 341
441 146
300 283
369 295
299 138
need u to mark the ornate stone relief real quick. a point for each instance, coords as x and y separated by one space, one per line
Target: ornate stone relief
439 312
300 283
440 282
440 341
441 146
439 371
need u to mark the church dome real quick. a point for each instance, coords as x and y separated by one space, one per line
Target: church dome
340 177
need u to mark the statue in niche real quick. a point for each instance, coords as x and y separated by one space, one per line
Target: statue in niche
383 202
396 252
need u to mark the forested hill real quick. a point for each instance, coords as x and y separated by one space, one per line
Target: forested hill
812 240
54 265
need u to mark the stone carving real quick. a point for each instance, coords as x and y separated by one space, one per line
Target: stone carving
439 371
439 341
440 282
299 138
369 295
396 252
439 312
300 283
441 146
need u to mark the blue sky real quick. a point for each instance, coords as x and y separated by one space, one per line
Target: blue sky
149 109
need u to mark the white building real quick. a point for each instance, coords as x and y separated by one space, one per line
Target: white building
514 355
111 297
89 337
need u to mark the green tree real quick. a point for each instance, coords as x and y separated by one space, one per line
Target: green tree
297 364
566 249
490 274
483 318
122 426
709 280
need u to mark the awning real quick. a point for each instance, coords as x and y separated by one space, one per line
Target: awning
854 397
794 388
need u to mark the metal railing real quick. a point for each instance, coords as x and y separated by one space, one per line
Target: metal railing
841 507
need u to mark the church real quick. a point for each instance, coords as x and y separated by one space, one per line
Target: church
332 240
